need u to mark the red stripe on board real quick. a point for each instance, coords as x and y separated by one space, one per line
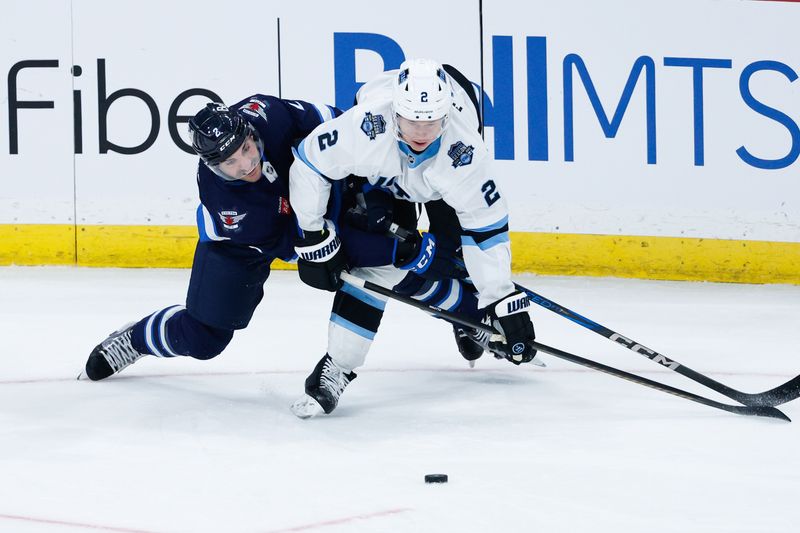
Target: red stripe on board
338 521
72 524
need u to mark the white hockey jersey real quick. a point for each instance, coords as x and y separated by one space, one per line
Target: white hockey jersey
456 168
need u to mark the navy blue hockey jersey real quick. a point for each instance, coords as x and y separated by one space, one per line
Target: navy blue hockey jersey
258 214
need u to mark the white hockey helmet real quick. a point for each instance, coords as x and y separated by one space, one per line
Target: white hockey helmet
422 91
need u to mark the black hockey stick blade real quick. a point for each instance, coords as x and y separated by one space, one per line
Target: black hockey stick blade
764 411
777 396
751 410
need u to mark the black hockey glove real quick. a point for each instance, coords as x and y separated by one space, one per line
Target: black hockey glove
419 254
510 317
376 217
379 210
320 259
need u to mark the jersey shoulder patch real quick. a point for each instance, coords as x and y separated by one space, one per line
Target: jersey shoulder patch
373 125
255 107
461 154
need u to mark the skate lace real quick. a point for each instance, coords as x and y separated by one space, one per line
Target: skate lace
481 336
333 379
119 352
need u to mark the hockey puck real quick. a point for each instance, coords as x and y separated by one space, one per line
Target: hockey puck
436 478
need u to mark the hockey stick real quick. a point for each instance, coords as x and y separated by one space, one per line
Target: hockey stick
765 411
777 396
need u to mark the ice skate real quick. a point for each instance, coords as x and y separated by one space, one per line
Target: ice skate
323 388
494 343
469 348
112 355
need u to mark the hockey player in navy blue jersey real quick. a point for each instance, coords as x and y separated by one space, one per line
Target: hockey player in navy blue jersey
244 221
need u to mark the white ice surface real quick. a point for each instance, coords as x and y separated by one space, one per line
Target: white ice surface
190 446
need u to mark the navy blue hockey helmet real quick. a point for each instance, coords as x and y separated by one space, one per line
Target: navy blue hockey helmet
217 132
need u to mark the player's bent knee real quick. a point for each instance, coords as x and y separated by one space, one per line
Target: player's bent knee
214 343
206 341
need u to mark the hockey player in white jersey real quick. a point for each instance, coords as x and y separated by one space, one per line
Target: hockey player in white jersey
414 133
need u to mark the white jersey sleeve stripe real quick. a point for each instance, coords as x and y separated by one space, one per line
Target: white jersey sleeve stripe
323 111
453 296
162 328
300 154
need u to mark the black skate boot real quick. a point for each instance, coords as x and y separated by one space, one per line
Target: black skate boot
323 388
468 347
112 355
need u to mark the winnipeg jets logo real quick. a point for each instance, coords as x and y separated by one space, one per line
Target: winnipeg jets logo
460 154
231 219
255 108
373 125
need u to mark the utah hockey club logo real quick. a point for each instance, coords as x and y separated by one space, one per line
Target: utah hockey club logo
231 219
460 154
372 125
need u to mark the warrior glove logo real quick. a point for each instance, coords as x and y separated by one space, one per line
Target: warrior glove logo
372 125
460 154
319 255
517 305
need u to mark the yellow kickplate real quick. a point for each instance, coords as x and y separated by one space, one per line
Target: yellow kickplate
669 258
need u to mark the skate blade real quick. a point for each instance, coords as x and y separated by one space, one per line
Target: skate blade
471 363
82 376
537 362
306 407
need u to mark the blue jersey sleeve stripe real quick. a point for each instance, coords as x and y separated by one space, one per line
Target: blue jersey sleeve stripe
365 297
334 112
346 324
324 112
201 230
497 225
205 226
319 114
488 243
300 153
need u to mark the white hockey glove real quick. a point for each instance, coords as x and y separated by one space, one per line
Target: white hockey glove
321 259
